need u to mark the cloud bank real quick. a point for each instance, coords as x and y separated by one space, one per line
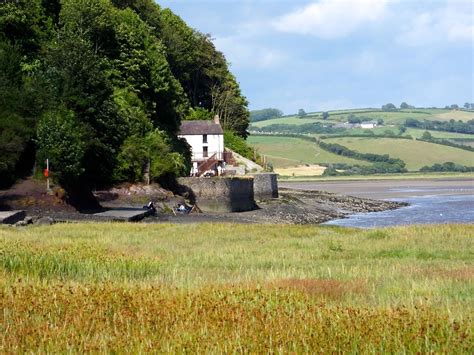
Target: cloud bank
331 19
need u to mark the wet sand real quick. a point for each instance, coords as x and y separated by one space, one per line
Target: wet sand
387 189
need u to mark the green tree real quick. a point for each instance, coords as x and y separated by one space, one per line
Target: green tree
426 136
301 113
389 107
153 152
325 115
198 113
265 114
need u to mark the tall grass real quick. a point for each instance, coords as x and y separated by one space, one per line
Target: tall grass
225 287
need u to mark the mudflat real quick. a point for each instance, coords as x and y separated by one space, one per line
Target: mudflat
385 189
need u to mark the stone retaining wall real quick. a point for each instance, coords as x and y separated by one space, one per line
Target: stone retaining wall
221 194
265 186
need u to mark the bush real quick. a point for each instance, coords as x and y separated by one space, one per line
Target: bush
155 150
238 145
448 166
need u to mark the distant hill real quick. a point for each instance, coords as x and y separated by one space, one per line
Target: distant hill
430 136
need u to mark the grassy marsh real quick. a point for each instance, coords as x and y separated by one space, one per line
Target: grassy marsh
230 287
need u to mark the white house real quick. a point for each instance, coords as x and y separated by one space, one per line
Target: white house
206 139
368 124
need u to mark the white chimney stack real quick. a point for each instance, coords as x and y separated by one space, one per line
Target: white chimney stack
217 120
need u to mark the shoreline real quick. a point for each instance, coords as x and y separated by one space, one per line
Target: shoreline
292 207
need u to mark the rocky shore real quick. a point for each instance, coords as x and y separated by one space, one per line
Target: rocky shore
292 207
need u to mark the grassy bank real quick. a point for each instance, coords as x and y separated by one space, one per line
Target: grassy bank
221 287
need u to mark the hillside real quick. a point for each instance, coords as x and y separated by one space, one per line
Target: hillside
99 88
415 154
447 134
396 117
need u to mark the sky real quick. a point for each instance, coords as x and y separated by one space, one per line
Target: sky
332 54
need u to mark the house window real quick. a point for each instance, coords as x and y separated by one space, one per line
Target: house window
204 138
204 152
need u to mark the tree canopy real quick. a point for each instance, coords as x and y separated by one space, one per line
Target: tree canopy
265 114
99 87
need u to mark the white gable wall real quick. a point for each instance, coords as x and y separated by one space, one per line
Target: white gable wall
215 145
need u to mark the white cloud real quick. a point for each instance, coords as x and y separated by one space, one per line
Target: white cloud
452 23
329 19
241 52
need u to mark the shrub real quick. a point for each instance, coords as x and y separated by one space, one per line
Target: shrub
238 145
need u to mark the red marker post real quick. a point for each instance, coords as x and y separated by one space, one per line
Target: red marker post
46 175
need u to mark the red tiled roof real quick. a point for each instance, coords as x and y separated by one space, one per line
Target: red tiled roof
200 127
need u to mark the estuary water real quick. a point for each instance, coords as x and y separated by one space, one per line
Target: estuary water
431 201
422 210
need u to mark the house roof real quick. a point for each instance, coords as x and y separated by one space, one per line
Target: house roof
200 127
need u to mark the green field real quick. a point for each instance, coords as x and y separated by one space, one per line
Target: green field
287 152
236 288
415 154
293 120
413 132
417 133
396 118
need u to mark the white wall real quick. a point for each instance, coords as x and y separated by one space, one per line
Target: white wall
215 144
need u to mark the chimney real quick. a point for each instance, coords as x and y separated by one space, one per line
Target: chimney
216 120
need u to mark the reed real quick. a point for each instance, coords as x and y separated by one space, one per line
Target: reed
230 287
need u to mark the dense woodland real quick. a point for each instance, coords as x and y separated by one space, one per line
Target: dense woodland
100 88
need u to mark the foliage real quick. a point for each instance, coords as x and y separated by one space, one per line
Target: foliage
426 136
405 106
325 115
198 113
238 145
341 150
301 113
63 140
113 71
449 126
448 166
265 114
203 73
152 152
389 107
20 102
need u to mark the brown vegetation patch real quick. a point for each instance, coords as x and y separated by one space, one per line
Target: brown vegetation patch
328 288
460 274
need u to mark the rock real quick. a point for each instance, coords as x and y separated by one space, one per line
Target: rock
47 221
29 220
23 223
11 217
